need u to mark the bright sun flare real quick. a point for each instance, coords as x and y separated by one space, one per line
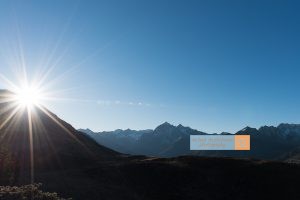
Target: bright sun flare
28 97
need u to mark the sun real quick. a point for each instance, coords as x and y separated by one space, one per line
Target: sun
28 97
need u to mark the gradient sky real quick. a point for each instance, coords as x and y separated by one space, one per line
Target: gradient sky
211 65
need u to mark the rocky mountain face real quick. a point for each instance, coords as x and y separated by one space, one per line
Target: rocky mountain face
267 142
119 140
157 142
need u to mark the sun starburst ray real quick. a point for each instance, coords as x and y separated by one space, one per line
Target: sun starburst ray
30 135
63 127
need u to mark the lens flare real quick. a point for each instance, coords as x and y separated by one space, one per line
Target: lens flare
28 97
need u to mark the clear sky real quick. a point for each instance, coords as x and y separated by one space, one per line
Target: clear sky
211 65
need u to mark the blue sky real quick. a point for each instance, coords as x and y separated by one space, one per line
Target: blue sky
211 65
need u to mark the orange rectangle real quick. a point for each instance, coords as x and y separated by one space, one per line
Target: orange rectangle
242 142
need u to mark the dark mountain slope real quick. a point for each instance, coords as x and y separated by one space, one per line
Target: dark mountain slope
41 141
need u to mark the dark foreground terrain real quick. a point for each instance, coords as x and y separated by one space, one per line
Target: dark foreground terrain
48 150
178 178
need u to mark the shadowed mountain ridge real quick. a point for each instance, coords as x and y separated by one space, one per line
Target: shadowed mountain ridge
267 142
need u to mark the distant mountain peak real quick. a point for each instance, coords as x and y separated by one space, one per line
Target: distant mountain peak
87 130
287 125
247 128
226 133
165 127
166 124
287 129
180 126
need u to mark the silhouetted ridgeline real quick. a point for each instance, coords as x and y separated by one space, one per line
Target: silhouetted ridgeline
268 142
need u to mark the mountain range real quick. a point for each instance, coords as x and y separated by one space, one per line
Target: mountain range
268 142
36 146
